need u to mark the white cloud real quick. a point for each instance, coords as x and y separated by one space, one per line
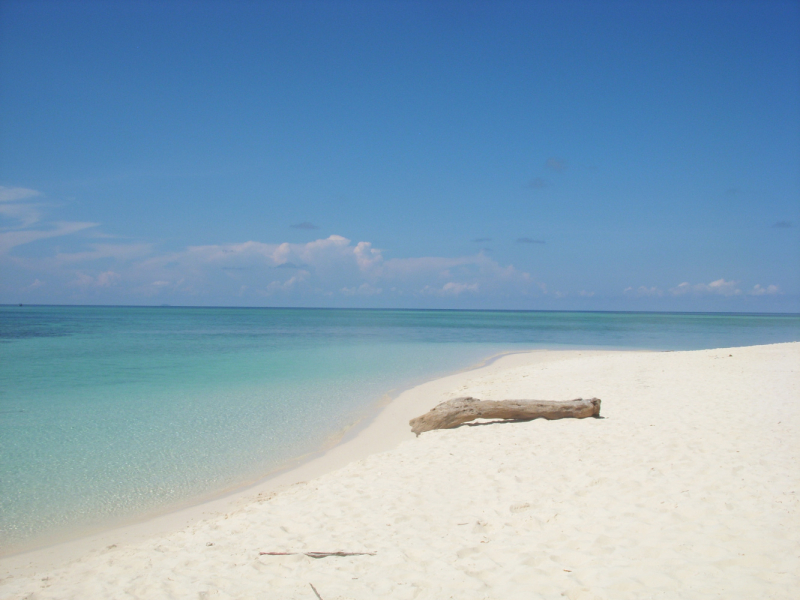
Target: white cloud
322 268
318 253
288 285
760 291
681 289
720 287
11 239
26 214
367 257
14 205
12 194
336 265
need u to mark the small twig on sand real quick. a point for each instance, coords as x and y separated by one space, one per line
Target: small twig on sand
315 591
317 554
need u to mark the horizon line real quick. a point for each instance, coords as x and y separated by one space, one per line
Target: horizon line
659 312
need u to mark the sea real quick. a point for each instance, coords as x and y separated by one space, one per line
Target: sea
109 415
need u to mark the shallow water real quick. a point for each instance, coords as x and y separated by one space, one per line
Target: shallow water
111 413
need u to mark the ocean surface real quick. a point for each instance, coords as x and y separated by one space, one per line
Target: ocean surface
111 414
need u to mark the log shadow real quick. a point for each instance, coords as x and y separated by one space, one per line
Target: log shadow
503 421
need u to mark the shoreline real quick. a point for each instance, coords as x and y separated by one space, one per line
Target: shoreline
685 488
301 468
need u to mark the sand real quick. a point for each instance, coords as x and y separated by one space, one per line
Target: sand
687 488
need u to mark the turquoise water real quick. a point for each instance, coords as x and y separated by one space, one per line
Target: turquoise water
108 414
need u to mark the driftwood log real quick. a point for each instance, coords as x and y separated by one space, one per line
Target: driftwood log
461 410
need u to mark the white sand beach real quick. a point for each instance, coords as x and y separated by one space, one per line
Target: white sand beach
686 488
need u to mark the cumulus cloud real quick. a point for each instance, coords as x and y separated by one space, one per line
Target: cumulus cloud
304 225
315 255
367 257
556 164
760 291
286 286
335 265
720 287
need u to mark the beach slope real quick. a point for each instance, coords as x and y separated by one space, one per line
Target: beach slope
687 487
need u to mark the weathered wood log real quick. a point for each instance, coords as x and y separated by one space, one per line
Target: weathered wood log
457 411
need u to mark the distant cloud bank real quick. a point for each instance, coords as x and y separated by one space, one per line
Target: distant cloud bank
720 287
317 271
100 269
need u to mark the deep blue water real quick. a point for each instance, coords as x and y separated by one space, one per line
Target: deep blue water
111 413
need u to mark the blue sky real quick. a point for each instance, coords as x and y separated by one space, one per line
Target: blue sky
518 155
